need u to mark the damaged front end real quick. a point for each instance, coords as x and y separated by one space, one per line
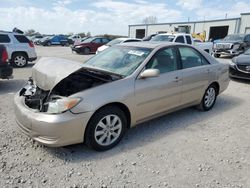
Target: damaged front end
57 98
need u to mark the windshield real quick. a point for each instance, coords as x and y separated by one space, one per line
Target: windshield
168 38
119 60
247 52
234 38
113 42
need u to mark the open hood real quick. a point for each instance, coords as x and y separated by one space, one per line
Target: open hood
49 71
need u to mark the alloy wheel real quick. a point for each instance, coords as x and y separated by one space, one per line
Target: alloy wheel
20 61
108 130
210 97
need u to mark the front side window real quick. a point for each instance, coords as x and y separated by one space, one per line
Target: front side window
180 39
191 58
164 60
98 41
4 38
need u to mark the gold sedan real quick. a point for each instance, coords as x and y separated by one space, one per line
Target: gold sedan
65 102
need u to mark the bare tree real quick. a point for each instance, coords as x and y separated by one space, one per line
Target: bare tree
31 32
150 20
88 34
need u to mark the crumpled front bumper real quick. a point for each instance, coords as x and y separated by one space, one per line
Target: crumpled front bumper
50 129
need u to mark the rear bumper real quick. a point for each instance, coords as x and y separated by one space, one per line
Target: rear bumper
32 59
235 73
6 72
50 129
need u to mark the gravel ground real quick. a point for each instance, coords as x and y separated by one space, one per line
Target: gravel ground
187 148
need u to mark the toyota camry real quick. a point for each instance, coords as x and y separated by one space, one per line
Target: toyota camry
65 102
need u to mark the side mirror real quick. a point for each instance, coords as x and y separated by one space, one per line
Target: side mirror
149 73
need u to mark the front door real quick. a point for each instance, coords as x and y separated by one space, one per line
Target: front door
158 94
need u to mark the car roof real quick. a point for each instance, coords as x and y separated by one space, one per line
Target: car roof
149 44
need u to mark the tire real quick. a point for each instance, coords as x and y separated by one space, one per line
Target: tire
209 98
86 51
100 135
216 55
19 60
48 44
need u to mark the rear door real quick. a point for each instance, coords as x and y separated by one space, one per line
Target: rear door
96 43
159 94
195 74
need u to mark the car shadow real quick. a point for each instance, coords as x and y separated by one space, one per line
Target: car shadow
147 132
10 86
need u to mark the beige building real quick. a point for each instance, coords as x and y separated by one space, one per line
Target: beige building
215 29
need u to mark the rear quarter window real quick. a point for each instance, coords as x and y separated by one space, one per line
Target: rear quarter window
4 38
22 38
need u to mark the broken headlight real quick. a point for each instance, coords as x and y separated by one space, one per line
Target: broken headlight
61 105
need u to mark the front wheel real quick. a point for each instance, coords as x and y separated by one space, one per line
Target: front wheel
106 128
208 99
86 51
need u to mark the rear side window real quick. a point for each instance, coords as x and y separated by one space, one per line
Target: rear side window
180 39
4 38
191 58
22 39
188 38
105 40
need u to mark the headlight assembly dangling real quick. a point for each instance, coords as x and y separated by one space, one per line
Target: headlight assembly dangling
62 105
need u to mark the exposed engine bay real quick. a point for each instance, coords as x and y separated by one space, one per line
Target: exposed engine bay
83 79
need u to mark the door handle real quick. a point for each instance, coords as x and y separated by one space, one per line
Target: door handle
177 79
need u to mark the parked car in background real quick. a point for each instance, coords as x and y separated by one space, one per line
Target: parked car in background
73 38
97 101
77 42
183 38
90 45
240 66
117 41
20 49
232 45
5 69
148 38
55 40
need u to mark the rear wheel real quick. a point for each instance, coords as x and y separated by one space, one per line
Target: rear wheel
209 98
19 60
106 128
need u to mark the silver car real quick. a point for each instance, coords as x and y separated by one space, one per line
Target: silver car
66 102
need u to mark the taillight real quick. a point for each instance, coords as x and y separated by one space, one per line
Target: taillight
31 44
4 56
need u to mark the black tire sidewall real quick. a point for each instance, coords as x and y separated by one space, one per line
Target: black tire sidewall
90 131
